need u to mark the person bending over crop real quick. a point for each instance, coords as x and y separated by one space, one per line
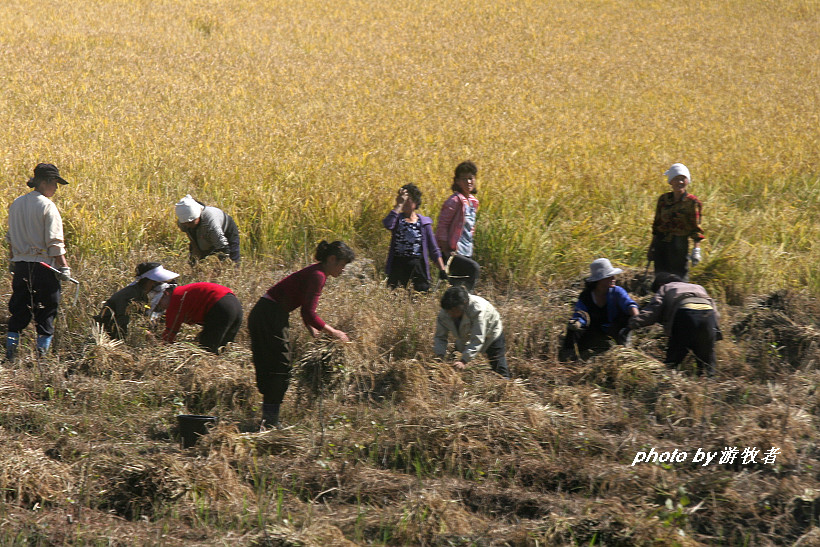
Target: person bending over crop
412 243
456 227
213 306
601 314
35 236
210 231
268 323
477 327
690 318
677 218
152 280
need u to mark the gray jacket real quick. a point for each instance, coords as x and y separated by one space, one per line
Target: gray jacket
209 236
668 300
480 326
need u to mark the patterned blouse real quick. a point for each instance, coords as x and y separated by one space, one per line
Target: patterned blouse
678 217
408 238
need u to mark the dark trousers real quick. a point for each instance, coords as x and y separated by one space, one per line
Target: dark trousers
594 340
497 354
407 269
270 346
221 323
671 256
233 249
464 272
35 291
232 235
588 342
693 330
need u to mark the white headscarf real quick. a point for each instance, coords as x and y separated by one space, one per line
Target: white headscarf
188 209
675 170
154 296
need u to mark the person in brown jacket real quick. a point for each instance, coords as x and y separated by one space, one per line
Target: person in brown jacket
688 315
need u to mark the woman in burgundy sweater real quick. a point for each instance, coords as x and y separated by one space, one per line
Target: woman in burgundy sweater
268 323
213 306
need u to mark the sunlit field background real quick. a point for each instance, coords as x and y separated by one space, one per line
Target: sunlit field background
301 119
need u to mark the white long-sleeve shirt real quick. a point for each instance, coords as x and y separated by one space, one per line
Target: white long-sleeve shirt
480 326
35 229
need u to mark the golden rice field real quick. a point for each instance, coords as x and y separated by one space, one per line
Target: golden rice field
301 118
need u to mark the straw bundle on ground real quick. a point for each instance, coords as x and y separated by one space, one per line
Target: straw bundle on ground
30 478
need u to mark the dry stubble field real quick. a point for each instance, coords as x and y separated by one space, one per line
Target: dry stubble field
301 119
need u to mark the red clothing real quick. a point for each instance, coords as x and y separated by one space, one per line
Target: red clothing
301 289
678 217
189 304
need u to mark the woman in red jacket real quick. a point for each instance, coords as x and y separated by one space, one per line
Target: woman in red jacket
213 306
456 227
268 323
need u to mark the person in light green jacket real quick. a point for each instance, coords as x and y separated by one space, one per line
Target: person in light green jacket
477 327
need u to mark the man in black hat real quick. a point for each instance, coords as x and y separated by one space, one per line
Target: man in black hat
35 235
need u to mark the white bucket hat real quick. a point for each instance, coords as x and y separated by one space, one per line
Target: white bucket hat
675 170
159 274
601 268
188 209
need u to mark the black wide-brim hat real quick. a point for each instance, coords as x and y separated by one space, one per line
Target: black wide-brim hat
45 171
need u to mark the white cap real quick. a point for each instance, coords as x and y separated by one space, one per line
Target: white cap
188 209
159 274
675 170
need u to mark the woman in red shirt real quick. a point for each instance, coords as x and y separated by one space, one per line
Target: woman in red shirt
213 306
268 323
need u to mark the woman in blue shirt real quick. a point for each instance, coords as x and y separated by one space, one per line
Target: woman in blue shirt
601 314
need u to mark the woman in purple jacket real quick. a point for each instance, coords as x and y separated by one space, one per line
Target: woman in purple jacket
412 244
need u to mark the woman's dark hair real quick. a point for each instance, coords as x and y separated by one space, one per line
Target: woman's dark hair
144 267
413 193
339 249
454 297
465 168
662 279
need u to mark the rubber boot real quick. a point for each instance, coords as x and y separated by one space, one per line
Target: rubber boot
43 343
270 415
12 341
